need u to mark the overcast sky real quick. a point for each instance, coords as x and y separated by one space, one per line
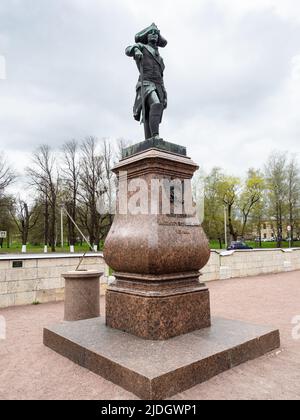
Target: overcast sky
232 75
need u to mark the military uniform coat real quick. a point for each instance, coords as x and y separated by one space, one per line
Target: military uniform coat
153 66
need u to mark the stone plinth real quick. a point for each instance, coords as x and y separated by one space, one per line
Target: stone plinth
157 307
157 293
160 369
82 294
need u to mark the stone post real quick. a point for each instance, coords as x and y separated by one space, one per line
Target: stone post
82 295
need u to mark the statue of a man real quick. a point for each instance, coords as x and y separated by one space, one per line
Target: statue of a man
151 95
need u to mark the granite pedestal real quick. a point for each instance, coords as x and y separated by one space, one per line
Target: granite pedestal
158 312
157 293
160 369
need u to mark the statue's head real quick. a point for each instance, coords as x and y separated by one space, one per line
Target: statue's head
151 35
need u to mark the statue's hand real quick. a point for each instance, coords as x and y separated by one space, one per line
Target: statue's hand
138 54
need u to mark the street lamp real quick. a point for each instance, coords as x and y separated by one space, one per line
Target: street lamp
289 229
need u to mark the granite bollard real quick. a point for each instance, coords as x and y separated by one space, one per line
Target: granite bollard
82 294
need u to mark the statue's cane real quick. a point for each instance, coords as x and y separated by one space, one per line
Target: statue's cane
143 97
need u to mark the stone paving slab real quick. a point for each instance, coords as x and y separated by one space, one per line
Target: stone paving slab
28 369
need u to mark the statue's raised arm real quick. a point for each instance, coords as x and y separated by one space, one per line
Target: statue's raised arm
151 95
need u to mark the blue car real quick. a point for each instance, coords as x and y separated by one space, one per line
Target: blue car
238 245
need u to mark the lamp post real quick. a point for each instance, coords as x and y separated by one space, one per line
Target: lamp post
289 229
62 226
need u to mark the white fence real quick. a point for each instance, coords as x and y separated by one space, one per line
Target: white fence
28 279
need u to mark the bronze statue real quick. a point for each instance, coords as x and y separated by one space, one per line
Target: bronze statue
151 95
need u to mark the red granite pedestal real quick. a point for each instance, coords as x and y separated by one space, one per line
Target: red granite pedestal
178 307
157 256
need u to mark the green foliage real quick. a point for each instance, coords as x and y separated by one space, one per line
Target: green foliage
273 196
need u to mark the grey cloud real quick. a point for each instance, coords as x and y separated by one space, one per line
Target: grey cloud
68 75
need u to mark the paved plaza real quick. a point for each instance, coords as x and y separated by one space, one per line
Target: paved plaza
28 370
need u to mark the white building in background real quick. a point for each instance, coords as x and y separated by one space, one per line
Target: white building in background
269 231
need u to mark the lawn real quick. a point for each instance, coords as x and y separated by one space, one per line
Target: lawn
285 244
15 248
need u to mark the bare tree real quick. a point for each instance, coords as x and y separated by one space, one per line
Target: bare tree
70 175
122 144
24 217
108 179
91 173
7 175
45 179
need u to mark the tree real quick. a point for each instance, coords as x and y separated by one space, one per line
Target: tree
44 178
293 187
91 172
258 216
214 206
239 200
7 175
24 217
70 174
250 195
229 188
276 176
6 222
108 186
122 144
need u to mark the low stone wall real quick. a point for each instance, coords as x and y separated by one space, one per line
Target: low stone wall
244 263
39 279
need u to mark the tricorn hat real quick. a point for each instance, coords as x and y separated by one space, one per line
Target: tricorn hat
142 36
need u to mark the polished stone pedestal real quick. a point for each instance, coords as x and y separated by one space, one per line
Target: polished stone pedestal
158 309
156 255
160 369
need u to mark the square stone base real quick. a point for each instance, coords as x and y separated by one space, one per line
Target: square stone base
160 369
158 318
